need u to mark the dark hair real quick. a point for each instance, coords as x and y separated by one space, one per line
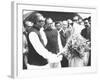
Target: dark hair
32 17
47 20
57 22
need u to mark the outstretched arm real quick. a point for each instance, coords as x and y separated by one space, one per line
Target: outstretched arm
41 50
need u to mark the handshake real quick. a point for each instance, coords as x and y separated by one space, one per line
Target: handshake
54 61
54 58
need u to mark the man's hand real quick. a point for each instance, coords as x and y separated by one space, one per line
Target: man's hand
53 58
54 61
59 57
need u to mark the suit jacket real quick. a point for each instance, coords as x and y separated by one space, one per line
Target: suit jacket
64 37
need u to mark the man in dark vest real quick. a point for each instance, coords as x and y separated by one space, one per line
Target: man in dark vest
38 56
52 38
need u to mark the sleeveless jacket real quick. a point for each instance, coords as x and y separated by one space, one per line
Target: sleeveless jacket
33 57
52 38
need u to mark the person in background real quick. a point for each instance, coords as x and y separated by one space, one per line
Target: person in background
65 33
86 33
70 22
70 26
43 35
58 25
62 29
26 26
77 26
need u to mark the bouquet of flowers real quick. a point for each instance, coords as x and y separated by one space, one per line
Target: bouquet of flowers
75 47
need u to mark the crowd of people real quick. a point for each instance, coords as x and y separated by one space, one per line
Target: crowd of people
56 44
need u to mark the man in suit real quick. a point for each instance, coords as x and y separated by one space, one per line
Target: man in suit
61 27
